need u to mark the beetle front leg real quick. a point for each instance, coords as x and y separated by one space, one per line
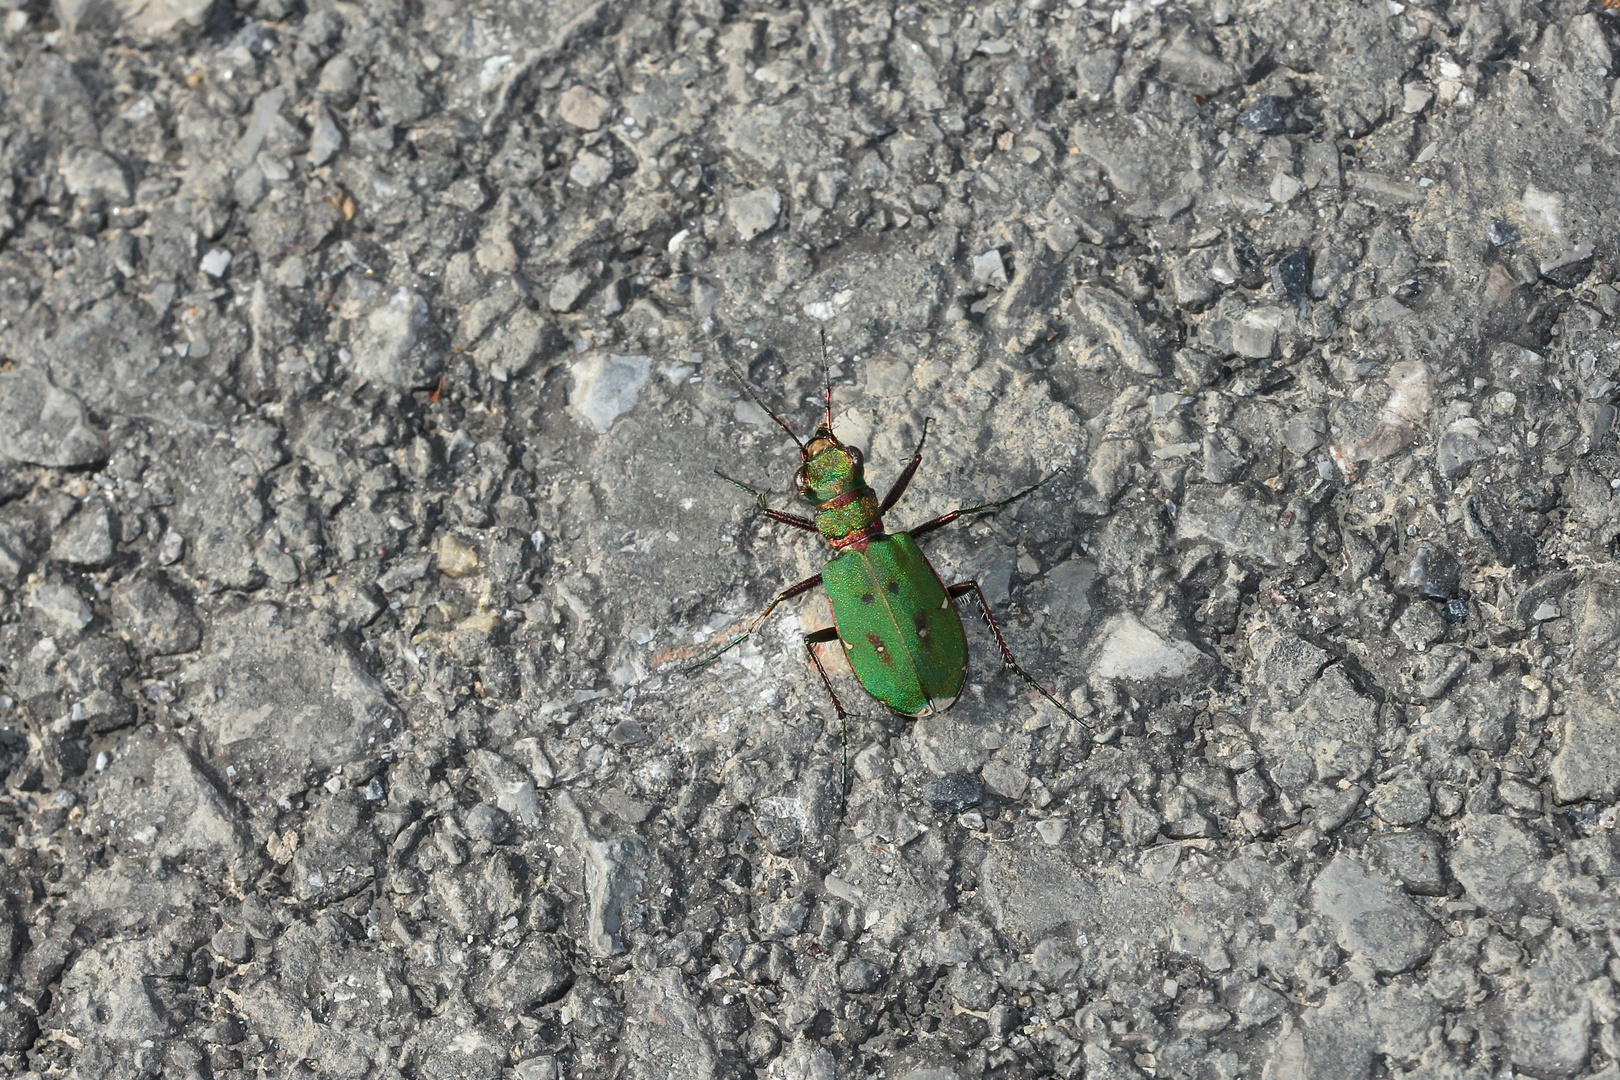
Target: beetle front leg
775 515
900 484
962 589
984 508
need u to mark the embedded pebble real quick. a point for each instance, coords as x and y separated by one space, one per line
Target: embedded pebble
754 212
606 387
582 108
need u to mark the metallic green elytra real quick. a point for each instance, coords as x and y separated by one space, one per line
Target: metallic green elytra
897 622
899 629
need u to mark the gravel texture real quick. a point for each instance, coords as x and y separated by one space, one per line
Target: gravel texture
362 371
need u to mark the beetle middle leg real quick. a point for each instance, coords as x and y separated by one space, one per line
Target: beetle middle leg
786 594
961 589
984 508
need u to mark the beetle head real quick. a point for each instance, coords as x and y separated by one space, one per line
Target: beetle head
830 467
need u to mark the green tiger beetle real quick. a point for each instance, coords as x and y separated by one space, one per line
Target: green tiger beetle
896 620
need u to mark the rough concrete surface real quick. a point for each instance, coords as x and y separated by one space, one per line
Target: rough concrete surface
362 371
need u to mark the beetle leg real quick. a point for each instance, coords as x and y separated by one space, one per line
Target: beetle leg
945 519
821 637
910 470
961 589
786 594
775 515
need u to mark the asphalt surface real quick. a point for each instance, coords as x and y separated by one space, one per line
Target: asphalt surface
363 371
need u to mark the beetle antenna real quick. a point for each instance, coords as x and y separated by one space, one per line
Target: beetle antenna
749 390
826 377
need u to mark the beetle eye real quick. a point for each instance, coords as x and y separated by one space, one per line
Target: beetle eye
802 482
855 457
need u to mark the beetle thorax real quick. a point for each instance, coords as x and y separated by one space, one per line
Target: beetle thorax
833 477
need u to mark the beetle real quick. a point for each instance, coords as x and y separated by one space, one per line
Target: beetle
895 619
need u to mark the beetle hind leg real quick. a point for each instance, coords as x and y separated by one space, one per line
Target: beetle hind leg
961 589
811 640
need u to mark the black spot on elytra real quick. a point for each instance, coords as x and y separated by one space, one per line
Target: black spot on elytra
921 621
866 598
893 587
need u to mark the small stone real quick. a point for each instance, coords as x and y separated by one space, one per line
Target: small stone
1497 861
1285 187
1402 802
171 549
1054 960
754 212
1415 98
1114 333
1432 572
606 387
582 108
567 290
1413 857
1304 432
1587 765
953 794
1372 918
86 540
62 605
385 350
1203 1020
988 269
1255 334
1189 64
153 618
1570 267
457 558
1456 452
94 173
488 824
525 977
1291 277
41 425
234 945
326 139
215 262
1267 116
1129 650
1007 781
1138 825
507 785
1501 233
1051 831
338 80
1256 1004
590 170
1518 795
1190 279
629 732
157 18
